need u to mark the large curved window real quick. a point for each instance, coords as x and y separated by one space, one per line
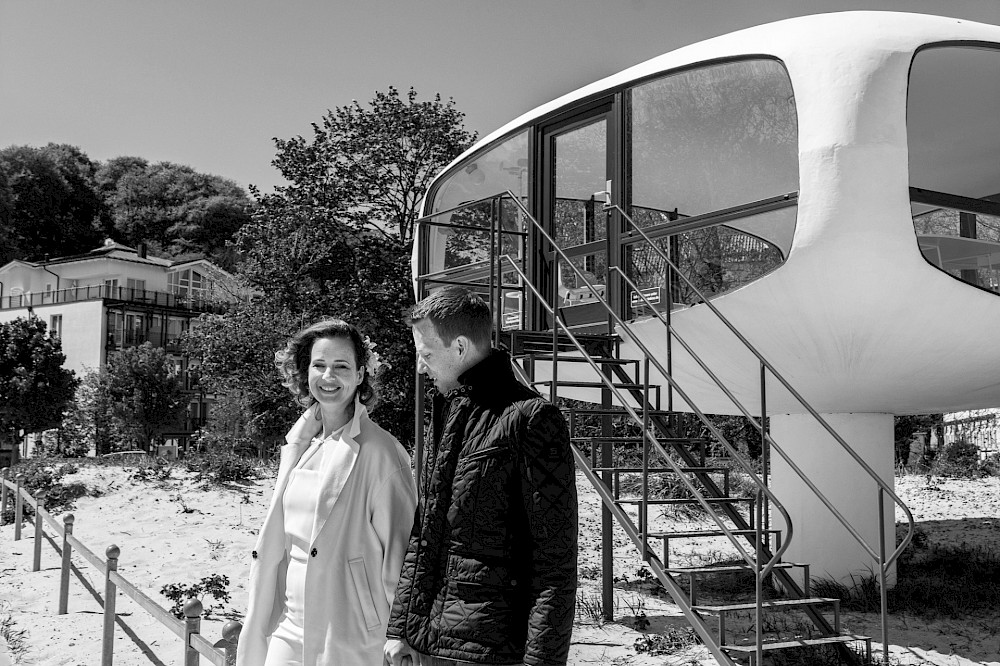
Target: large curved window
713 160
953 136
460 240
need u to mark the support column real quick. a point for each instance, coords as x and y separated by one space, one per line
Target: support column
818 537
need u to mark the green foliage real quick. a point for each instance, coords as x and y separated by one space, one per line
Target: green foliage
959 459
374 164
86 424
673 639
905 427
144 393
50 197
335 242
45 475
179 212
235 356
34 387
221 467
214 586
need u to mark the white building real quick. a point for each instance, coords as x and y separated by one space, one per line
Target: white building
114 297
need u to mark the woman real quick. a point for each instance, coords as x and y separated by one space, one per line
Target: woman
324 571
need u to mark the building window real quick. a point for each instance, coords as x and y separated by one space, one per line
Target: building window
136 288
717 138
953 138
55 326
111 288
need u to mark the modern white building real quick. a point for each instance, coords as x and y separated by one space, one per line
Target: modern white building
114 297
799 220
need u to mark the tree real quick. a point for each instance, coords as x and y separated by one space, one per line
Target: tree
335 242
144 392
86 422
34 387
177 211
235 358
54 209
371 167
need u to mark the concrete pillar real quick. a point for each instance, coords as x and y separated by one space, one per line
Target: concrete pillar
819 539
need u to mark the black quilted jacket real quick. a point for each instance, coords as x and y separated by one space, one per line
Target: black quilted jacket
490 572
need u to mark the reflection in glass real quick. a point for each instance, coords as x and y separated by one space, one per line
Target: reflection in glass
572 289
580 170
953 138
502 168
712 138
716 259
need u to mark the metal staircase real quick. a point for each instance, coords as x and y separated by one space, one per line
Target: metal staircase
629 438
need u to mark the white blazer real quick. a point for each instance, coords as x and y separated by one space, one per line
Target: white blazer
366 506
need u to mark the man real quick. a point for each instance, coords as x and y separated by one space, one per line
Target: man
489 576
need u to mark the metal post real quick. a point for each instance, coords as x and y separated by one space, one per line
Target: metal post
884 591
18 506
36 562
3 493
67 549
110 594
192 625
231 634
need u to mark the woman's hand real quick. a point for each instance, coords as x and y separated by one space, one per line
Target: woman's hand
398 653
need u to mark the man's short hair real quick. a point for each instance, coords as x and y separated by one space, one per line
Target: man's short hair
455 311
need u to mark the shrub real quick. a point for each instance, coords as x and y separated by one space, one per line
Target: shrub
221 467
959 458
214 585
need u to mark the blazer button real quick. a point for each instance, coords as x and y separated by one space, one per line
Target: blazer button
513 582
254 554
313 552
423 542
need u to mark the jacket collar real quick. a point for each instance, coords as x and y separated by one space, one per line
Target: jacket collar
492 376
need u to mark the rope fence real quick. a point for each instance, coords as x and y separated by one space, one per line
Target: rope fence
188 629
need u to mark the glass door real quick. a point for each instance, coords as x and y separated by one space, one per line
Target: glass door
577 170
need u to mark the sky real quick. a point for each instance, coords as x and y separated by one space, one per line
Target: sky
211 83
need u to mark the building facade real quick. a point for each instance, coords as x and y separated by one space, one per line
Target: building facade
115 297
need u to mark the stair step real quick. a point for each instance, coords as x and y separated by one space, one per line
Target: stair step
679 501
800 642
662 470
534 356
706 533
620 411
729 568
775 603
631 386
635 440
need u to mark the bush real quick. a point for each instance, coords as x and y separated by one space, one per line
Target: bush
45 475
958 459
221 467
214 585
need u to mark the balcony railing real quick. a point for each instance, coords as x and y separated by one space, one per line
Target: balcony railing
124 294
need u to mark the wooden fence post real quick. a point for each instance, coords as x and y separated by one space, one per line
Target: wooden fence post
36 562
3 494
231 634
110 592
67 549
192 625
18 506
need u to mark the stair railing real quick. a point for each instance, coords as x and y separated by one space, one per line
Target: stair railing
639 538
761 570
883 488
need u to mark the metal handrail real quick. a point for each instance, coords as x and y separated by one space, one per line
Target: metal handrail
798 397
649 355
884 562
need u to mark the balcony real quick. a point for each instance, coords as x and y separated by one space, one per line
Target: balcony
120 294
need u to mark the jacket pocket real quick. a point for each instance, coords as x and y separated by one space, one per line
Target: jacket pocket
359 574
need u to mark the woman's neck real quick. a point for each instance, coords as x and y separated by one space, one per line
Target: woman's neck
334 421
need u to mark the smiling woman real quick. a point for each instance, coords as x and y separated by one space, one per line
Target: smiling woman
326 563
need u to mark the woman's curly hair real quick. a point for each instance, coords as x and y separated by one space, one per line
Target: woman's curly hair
293 361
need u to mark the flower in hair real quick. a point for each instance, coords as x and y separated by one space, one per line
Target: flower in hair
375 361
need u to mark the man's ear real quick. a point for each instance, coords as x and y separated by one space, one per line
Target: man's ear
463 345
